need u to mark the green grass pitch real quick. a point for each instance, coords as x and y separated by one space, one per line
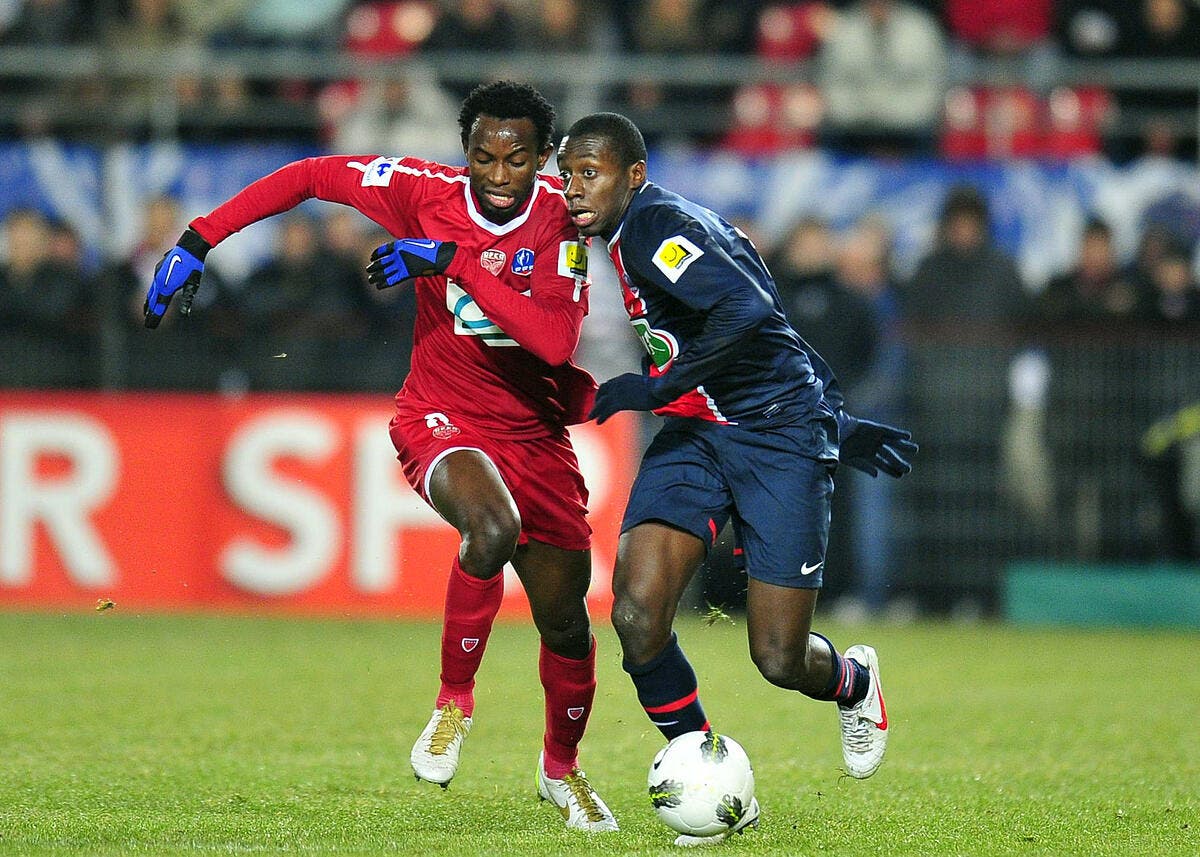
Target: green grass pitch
127 734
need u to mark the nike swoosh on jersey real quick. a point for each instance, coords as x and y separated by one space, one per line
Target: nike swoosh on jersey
809 569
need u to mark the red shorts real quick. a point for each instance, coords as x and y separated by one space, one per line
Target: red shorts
541 473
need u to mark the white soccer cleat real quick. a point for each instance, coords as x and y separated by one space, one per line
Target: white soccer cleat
435 755
864 726
573 795
749 819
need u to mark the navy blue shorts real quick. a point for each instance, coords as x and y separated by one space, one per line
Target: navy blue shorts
697 475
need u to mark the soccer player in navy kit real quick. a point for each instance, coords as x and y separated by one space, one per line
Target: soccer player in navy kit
754 432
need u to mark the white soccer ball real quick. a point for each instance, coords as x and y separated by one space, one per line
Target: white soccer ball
701 783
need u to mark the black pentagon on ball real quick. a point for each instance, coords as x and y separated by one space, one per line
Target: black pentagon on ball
714 748
666 793
730 810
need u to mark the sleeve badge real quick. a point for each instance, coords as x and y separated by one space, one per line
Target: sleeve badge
674 255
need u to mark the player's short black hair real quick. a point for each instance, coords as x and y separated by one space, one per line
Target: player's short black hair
619 131
505 99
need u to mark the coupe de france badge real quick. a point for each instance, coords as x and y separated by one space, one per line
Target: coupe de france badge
493 260
522 263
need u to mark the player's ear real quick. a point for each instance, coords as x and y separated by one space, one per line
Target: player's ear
637 175
543 156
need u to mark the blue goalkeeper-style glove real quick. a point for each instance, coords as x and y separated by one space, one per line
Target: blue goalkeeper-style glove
406 258
873 447
178 271
628 392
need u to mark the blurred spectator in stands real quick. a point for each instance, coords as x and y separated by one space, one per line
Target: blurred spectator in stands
303 291
214 22
789 32
1174 297
381 360
1096 289
805 254
863 269
965 277
556 26
144 24
392 310
883 75
840 325
1170 449
835 321
46 103
411 115
731 27
1092 29
389 28
39 294
1142 30
46 332
670 29
291 23
346 233
125 279
65 246
482 26
1155 241
148 26
1015 32
45 23
967 299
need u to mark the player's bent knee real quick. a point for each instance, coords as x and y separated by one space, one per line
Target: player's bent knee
641 629
781 668
488 543
570 639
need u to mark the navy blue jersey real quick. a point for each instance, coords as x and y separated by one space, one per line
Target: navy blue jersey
705 307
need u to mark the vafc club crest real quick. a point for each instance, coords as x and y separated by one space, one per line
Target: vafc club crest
440 426
522 263
575 712
469 644
493 260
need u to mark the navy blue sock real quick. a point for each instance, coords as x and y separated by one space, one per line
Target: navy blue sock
666 688
848 684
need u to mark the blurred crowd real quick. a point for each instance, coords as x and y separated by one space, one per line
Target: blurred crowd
305 319
960 79
965 78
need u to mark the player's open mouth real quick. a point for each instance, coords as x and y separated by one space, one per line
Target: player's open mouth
583 218
500 201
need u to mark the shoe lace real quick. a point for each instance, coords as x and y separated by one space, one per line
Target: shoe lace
856 730
450 725
584 795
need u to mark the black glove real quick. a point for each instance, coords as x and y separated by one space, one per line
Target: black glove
873 447
628 392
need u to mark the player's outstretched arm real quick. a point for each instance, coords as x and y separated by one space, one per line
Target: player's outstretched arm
874 447
179 271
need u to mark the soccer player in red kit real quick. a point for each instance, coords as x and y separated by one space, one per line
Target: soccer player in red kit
480 424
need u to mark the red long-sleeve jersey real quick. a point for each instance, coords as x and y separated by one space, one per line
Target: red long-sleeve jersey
493 337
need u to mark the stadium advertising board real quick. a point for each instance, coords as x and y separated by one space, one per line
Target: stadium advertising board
285 502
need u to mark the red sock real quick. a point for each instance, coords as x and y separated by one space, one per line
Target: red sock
570 687
471 607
